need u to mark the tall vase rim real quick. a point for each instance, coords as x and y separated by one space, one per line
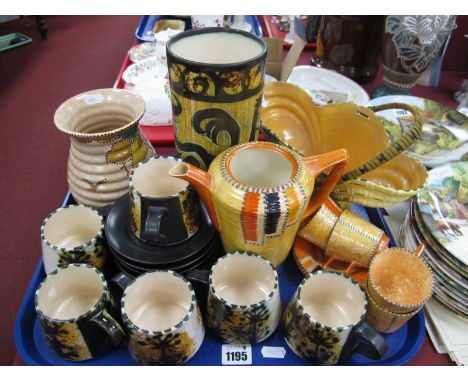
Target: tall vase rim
225 66
135 101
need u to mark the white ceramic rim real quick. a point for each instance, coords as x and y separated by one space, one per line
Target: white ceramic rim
105 292
284 150
98 235
173 328
141 164
358 90
339 274
137 103
261 302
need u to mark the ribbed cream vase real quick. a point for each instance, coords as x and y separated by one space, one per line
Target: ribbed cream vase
106 143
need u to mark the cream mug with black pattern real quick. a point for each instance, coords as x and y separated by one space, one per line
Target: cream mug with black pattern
73 234
162 319
243 304
74 307
325 320
164 209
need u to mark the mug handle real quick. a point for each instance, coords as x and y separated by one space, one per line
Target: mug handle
317 164
110 325
117 285
376 347
121 280
151 231
200 279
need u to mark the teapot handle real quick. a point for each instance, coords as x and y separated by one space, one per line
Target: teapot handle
318 164
397 147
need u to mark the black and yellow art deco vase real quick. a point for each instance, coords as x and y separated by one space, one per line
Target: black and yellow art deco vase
215 105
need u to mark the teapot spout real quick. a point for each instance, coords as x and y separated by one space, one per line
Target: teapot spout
201 181
316 164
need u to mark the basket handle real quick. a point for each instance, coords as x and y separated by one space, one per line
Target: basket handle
397 147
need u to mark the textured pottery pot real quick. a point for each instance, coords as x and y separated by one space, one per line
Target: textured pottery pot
162 319
383 320
164 210
257 193
75 310
325 320
319 228
400 281
73 234
244 305
214 105
106 143
355 240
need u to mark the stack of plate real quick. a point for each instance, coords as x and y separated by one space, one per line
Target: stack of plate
438 217
134 256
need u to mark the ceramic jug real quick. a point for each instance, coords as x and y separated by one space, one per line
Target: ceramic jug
257 193
106 143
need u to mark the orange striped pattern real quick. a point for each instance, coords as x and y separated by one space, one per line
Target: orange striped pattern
249 215
293 204
332 207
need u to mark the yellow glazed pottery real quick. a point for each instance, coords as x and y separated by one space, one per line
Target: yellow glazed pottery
106 143
344 236
355 240
374 176
400 281
383 320
292 115
216 91
319 228
258 192
390 183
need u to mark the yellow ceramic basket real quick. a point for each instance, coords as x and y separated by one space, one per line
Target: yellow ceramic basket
379 176
389 178
408 177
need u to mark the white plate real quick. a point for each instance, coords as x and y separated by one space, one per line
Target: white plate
319 82
145 50
156 93
443 205
148 68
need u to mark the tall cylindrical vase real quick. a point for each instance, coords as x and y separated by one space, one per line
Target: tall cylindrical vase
105 143
216 77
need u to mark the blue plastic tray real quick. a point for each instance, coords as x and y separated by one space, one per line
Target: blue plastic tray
144 31
402 344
